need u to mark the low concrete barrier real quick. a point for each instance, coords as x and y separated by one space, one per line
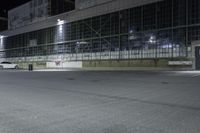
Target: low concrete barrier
60 64
179 63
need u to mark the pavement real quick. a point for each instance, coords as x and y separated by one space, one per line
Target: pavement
99 101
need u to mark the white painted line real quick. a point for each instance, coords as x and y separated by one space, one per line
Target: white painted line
55 70
198 75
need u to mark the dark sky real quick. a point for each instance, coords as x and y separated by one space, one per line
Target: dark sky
9 4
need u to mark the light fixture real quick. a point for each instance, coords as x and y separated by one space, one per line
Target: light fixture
131 31
152 39
1 37
82 43
60 22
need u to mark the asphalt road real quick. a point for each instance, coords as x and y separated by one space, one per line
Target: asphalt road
99 102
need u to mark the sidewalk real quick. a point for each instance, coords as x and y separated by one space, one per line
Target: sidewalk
114 69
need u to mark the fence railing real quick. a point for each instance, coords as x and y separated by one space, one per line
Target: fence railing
108 55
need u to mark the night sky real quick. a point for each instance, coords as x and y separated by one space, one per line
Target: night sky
9 4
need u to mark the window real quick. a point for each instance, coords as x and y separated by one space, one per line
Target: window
96 45
193 34
67 31
124 43
105 25
179 37
87 47
86 28
105 44
96 30
124 21
73 31
164 14
114 23
149 16
179 12
80 29
114 43
135 19
194 11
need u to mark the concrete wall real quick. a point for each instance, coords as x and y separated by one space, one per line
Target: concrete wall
36 65
145 63
139 64
60 64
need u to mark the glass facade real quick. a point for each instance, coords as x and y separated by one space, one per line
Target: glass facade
164 29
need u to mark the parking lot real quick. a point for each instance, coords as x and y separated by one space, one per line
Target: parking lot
99 102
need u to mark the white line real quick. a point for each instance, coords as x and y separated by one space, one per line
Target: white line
196 76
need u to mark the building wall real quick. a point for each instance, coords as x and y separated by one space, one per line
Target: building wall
163 29
26 14
82 4
36 11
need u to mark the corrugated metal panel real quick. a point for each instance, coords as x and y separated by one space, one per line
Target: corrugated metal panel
115 5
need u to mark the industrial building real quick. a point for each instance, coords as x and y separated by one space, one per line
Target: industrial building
106 33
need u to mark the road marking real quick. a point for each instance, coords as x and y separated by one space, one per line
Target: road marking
196 75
